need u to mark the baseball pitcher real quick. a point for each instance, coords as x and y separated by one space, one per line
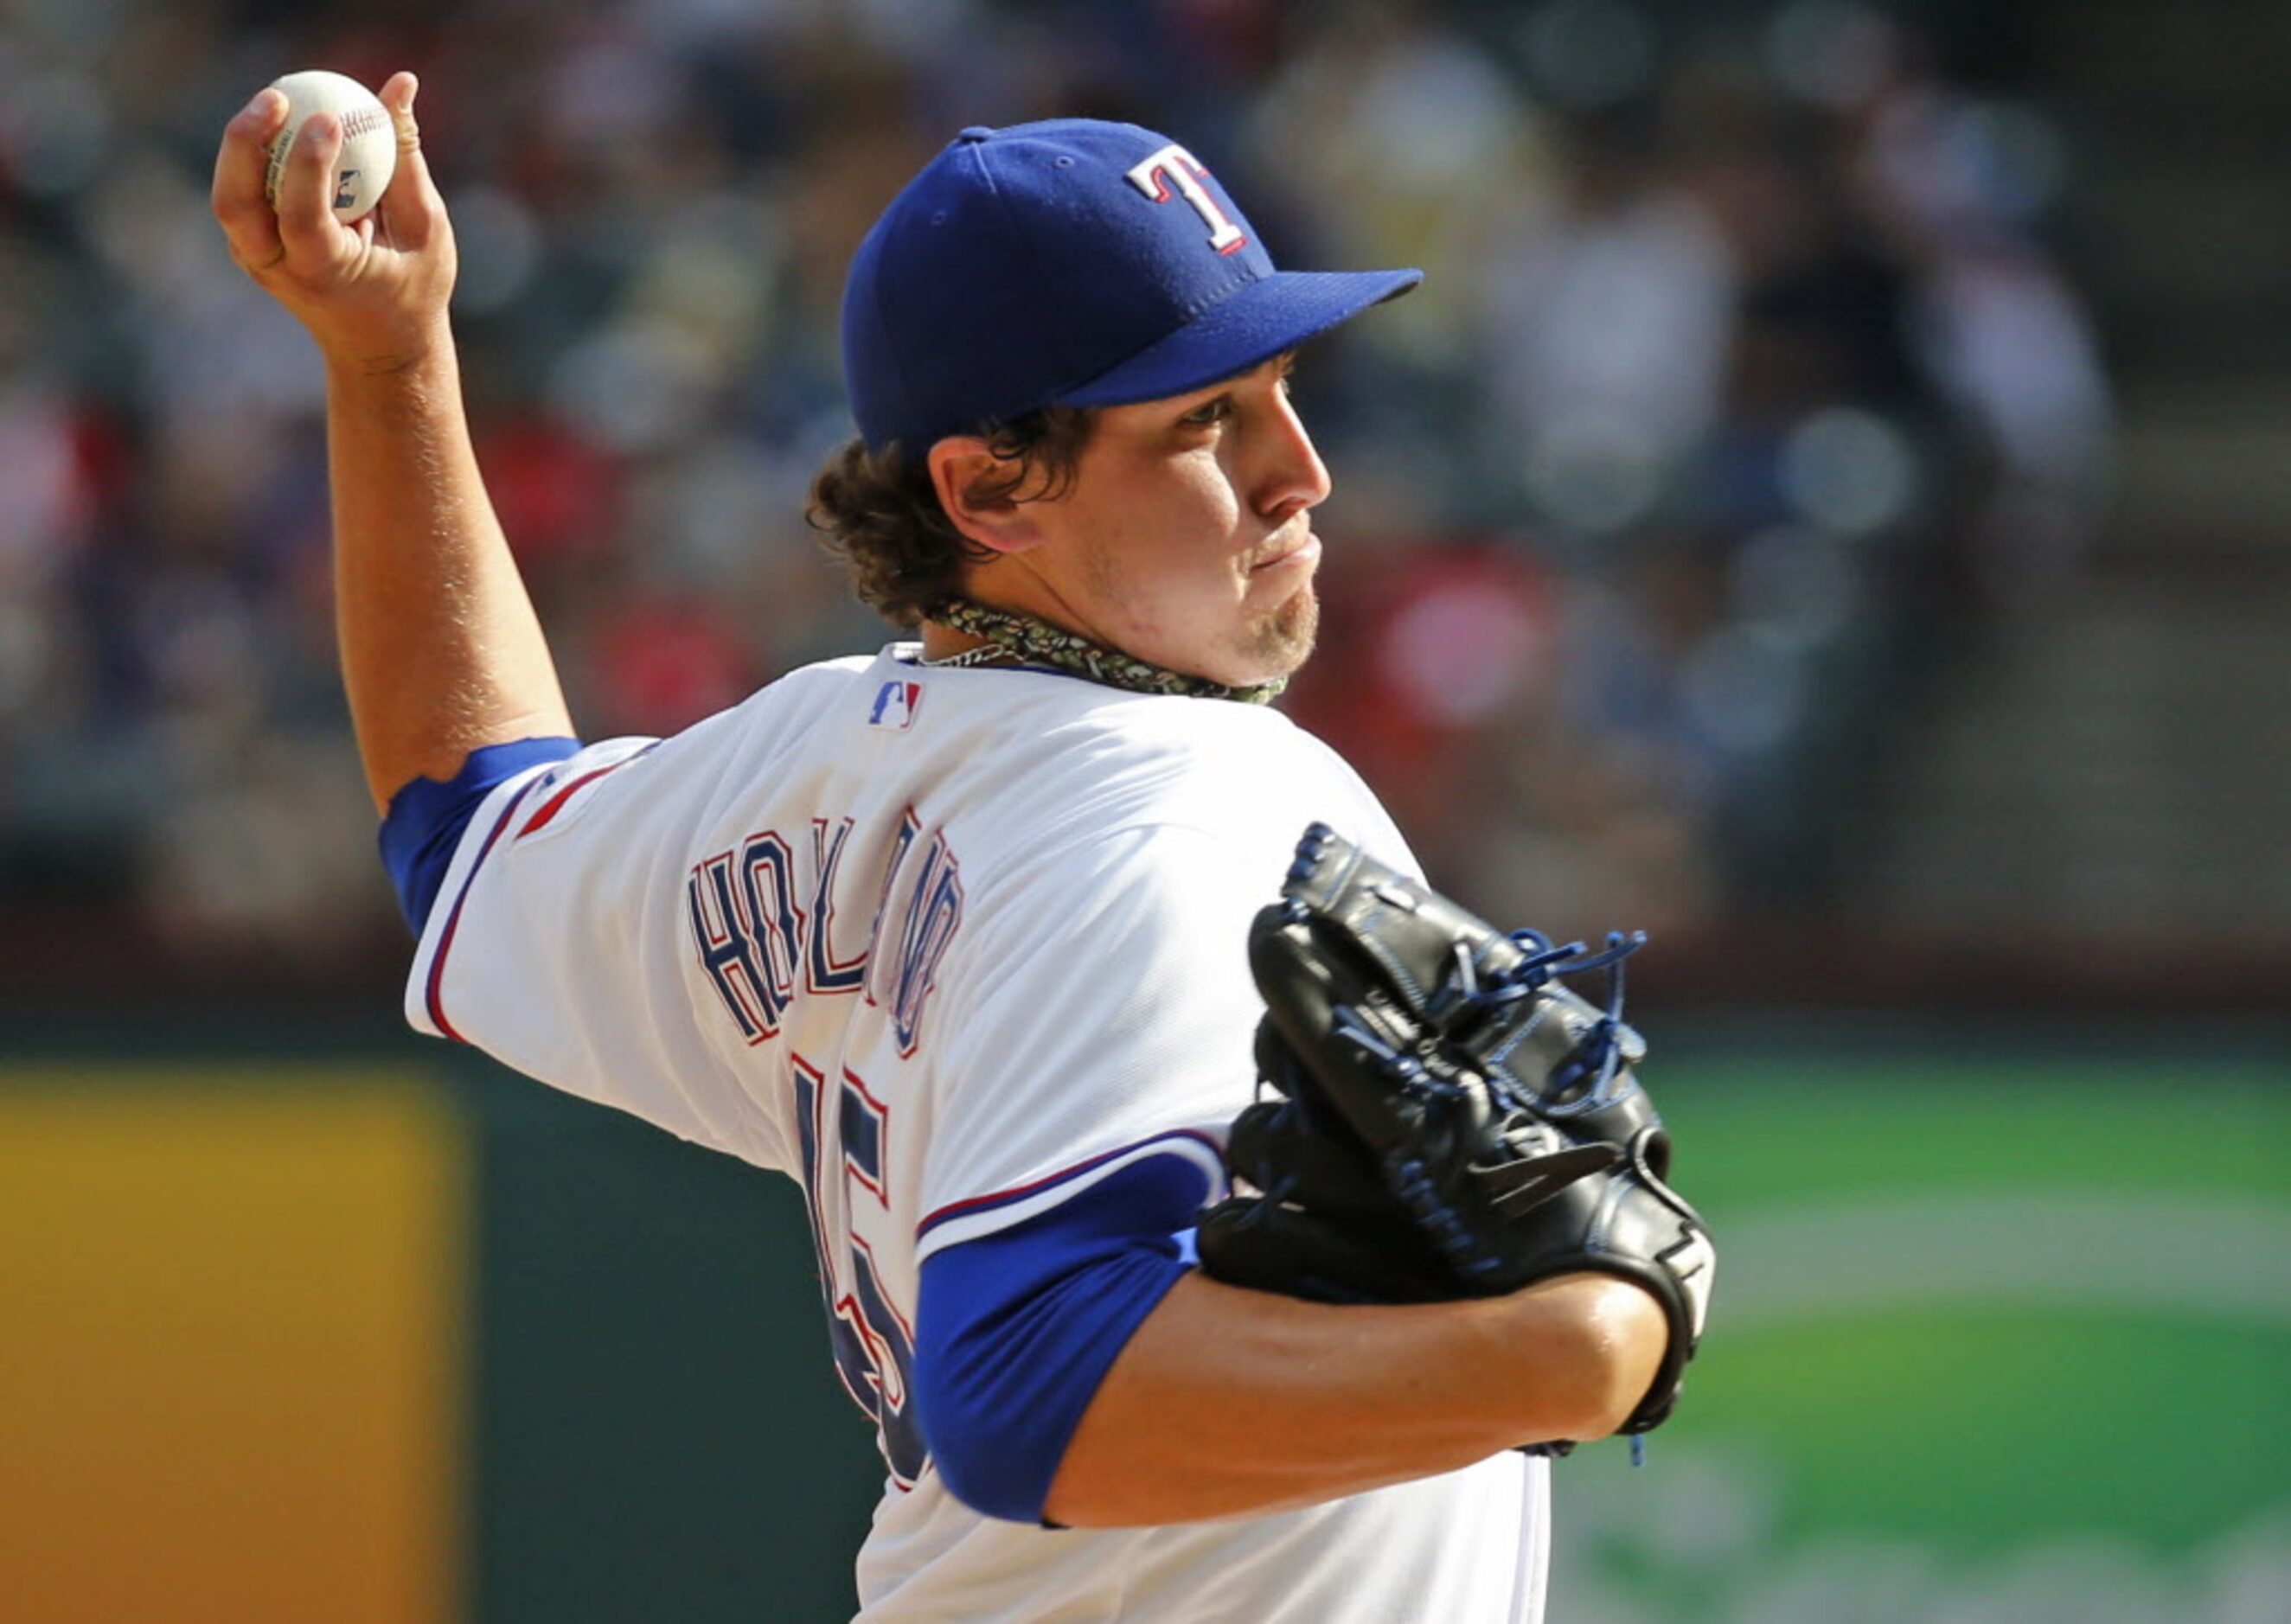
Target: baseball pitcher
992 940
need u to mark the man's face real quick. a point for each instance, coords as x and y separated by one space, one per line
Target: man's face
1186 537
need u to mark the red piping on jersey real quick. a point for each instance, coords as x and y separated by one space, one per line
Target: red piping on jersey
1004 1198
432 991
555 803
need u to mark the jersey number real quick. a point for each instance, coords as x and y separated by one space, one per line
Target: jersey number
874 1347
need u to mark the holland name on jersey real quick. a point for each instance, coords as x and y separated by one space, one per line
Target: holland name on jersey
763 916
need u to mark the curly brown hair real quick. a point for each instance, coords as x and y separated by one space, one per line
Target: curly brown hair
879 514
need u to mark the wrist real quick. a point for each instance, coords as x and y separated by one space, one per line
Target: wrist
413 354
409 388
1598 1339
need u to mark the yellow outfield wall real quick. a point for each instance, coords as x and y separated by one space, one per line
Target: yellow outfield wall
230 1344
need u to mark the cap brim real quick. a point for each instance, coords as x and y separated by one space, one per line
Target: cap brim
1268 318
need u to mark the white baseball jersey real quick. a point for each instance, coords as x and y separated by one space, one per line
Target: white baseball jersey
946 946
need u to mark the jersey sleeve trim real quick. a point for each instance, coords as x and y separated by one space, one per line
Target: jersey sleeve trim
546 812
422 831
433 1019
982 1215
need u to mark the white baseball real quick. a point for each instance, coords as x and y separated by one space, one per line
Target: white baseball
369 155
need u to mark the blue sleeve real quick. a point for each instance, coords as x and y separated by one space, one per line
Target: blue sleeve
1016 1330
424 824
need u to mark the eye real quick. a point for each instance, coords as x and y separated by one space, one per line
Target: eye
1209 413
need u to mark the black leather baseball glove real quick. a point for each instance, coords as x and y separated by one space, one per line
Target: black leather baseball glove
1447 1119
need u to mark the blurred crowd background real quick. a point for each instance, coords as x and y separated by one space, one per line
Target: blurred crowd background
1732 491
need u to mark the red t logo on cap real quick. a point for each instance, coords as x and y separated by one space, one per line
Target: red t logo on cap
1173 166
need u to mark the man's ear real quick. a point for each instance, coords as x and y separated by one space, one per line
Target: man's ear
963 470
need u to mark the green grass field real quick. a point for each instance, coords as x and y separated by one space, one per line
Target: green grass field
2007 1345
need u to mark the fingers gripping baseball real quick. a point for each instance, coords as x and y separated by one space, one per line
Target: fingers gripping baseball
250 226
411 212
372 292
317 246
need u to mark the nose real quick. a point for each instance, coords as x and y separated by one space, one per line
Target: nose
1293 477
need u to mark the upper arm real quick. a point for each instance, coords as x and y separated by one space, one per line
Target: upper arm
1015 1329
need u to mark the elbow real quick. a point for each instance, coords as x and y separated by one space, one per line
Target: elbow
993 1438
992 1481
1003 1378
990 1434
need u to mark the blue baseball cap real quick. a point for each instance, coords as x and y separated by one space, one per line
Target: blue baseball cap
1070 262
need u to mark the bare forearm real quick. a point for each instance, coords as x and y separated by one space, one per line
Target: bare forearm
1229 1401
441 651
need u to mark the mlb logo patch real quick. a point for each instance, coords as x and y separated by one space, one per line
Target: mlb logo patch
894 704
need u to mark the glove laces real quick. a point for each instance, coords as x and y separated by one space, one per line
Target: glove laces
1599 1056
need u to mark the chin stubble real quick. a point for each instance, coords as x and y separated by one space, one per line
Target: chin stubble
1279 641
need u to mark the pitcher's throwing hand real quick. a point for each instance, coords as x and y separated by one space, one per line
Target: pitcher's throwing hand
372 292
